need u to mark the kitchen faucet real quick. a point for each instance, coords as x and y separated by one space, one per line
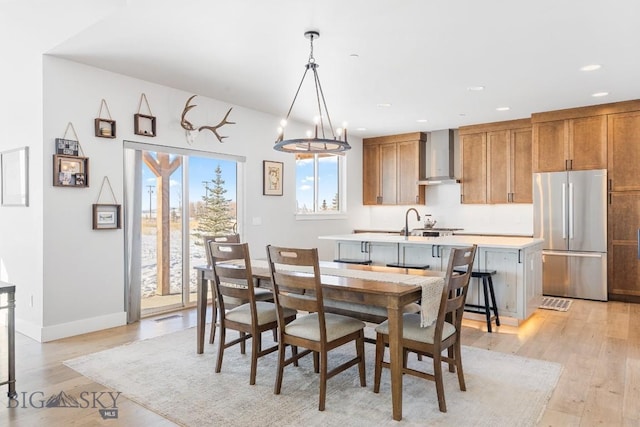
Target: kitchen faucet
406 221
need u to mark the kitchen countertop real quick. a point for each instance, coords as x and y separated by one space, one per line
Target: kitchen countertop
456 240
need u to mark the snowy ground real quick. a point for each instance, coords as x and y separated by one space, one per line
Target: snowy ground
149 263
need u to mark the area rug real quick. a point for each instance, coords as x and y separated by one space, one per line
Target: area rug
165 375
553 303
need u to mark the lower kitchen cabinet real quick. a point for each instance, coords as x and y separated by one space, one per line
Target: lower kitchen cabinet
624 248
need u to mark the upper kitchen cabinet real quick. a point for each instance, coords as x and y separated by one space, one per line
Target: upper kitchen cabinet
624 151
473 156
573 139
496 162
391 167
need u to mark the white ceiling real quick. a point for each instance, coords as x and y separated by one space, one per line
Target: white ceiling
418 55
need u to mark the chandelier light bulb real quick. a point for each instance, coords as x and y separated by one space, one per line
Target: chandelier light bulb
283 122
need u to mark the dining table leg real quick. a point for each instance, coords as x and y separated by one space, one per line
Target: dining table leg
395 360
203 290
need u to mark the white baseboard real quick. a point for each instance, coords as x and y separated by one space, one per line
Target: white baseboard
78 327
29 329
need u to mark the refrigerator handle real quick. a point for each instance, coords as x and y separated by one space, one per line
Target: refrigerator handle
564 210
571 210
638 243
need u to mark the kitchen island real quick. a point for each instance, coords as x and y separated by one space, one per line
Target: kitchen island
516 260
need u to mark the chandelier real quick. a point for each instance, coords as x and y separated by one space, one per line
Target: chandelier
315 141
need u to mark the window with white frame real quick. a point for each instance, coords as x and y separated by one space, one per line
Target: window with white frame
319 184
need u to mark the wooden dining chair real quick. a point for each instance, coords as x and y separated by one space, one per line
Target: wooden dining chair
262 294
443 334
317 332
251 318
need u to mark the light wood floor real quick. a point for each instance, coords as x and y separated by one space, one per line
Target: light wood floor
597 343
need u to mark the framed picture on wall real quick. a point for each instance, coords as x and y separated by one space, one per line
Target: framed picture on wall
272 178
70 171
106 217
15 177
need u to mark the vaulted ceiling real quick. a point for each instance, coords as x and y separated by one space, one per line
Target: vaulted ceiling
421 57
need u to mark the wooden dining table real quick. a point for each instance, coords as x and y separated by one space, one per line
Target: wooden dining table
389 295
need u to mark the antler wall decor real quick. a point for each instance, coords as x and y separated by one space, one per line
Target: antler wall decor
190 128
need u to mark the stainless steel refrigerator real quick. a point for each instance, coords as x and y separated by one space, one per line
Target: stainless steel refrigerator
570 214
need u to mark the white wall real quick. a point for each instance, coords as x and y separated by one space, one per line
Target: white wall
83 268
443 203
27 29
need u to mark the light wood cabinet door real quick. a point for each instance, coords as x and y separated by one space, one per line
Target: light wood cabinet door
474 167
623 251
391 167
371 174
498 166
587 143
388 174
521 178
624 151
409 157
572 144
550 146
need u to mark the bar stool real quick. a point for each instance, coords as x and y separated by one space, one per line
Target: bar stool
487 288
353 261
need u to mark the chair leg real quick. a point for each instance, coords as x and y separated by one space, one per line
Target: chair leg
323 380
437 373
281 350
316 368
243 343
458 356
378 365
223 333
214 319
452 356
294 352
360 352
255 349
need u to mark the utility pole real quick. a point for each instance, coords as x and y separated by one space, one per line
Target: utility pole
150 190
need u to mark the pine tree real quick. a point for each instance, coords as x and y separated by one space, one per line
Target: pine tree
215 216
324 204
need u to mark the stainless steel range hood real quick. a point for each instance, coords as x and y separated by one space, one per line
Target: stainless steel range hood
440 169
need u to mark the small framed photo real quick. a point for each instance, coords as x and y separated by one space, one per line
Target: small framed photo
70 171
272 178
15 177
106 217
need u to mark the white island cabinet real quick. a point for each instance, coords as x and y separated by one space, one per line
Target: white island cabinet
516 260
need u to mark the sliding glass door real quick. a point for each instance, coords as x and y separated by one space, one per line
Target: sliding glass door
175 198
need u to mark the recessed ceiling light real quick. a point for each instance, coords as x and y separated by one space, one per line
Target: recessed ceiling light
591 67
503 108
361 129
421 120
383 105
475 88
599 94
354 55
462 114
